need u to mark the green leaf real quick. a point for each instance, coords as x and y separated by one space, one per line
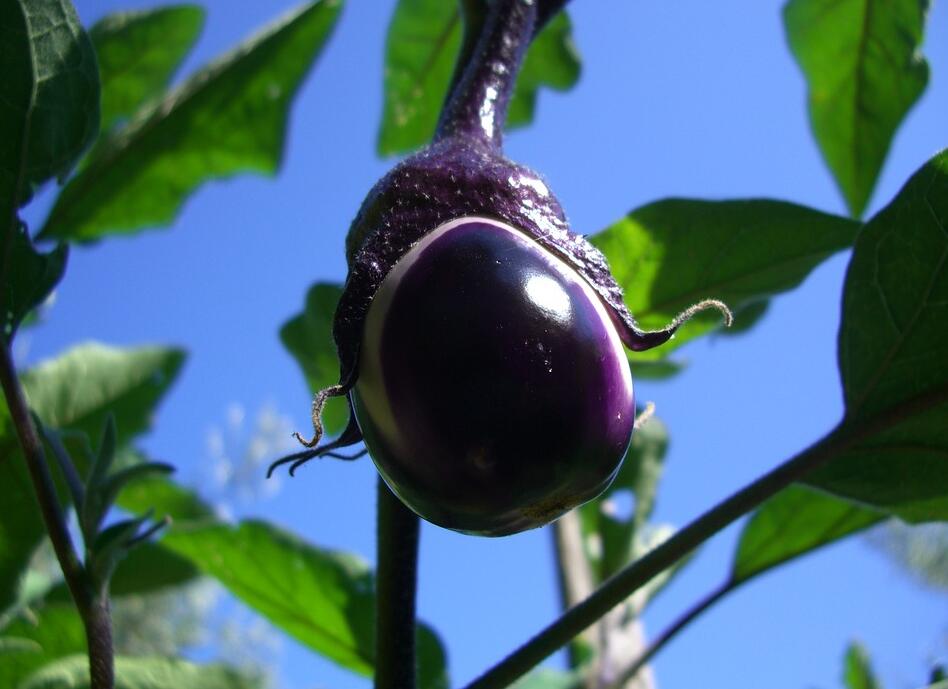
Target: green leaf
146 568
308 337
324 599
672 253
50 109
21 528
795 522
226 119
424 38
857 673
892 446
166 498
79 389
57 631
142 673
138 54
864 71
30 278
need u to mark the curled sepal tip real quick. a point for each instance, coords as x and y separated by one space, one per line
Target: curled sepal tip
350 436
639 340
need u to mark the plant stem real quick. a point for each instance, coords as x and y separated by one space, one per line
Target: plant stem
396 579
477 107
672 631
574 576
92 608
640 572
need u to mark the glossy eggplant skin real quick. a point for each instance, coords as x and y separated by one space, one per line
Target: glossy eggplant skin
493 391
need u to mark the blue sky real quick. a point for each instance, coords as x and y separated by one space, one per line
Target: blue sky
690 99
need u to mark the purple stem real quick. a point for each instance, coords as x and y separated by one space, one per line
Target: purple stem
477 108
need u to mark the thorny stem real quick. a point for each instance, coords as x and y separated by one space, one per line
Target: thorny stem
627 581
92 606
397 567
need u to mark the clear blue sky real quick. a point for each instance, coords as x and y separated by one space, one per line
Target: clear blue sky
676 99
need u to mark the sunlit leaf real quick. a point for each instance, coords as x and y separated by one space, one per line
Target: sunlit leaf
864 71
80 388
424 38
892 446
672 253
142 673
138 54
226 119
796 521
323 599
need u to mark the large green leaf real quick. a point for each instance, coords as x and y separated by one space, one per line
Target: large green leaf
80 388
50 109
861 60
672 253
21 527
138 54
142 673
892 446
423 41
226 119
796 521
324 599
308 337
55 630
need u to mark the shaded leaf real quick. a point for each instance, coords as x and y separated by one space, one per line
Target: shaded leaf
892 446
857 673
30 278
138 54
142 673
21 528
796 521
423 41
543 678
657 369
166 498
672 253
50 109
308 337
324 599
57 631
861 62
226 119
79 389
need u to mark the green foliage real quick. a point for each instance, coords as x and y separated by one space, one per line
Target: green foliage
55 631
672 253
80 389
324 599
308 337
229 117
32 277
795 522
857 672
424 38
861 61
141 673
50 109
138 54
893 357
